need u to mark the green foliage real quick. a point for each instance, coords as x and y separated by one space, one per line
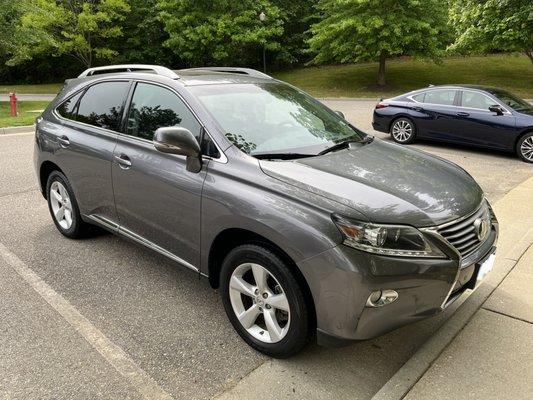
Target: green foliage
367 30
143 36
74 27
206 32
298 17
10 13
484 26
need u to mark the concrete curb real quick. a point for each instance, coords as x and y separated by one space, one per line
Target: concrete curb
30 97
17 129
513 246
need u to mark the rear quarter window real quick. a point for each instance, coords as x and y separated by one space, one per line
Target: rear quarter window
68 108
102 104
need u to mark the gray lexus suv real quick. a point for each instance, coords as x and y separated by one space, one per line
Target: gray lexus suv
309 228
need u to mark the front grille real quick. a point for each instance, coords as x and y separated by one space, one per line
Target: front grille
462 233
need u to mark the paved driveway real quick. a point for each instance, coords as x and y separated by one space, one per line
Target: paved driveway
168 323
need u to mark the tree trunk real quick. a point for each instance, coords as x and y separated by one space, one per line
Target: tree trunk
529 53
381 72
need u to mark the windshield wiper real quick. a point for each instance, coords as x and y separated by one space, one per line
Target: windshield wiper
345 144
280 156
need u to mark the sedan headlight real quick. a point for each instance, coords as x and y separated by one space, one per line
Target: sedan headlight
390 240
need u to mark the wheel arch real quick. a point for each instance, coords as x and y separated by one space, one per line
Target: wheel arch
230 238
521 135
404 116
46 168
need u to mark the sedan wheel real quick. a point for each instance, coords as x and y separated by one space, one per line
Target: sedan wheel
525 148
403 131
259 303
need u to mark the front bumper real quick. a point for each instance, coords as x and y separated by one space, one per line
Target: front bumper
342 278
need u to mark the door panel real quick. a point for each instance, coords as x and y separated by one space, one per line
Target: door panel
478 125
436 114
156 198
85 150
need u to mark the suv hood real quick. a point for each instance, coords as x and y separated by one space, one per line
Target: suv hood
388 183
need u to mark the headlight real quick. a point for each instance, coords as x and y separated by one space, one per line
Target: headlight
391 240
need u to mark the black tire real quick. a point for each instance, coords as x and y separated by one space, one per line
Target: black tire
524 147
404 123
78 228
297 335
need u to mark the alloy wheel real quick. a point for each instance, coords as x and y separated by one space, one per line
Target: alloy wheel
61 205
259 303
402 130
526 148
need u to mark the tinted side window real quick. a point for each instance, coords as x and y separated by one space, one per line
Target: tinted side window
154 107
67 109
101 105
444 97
476 100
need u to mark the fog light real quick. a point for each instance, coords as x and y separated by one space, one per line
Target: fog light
380 298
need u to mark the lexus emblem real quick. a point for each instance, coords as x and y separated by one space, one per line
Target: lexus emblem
481 227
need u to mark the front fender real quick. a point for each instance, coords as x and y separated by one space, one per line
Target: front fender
295 220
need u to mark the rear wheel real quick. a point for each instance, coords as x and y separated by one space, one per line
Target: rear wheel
64 207
524 147
263 301
403 131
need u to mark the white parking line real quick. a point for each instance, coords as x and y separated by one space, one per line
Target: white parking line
114 355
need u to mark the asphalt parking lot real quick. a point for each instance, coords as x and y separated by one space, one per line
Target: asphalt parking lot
169 324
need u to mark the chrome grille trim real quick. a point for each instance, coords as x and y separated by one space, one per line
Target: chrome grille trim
461 234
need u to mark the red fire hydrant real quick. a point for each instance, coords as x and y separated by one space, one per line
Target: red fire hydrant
13 103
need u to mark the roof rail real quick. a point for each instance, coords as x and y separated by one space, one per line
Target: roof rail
233 70
112 69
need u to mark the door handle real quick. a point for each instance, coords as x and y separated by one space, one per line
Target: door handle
63 141
463 114
123 161
418 109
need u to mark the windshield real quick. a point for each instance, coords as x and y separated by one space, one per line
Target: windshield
273 117
516 103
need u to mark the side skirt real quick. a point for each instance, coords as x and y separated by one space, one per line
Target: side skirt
113 227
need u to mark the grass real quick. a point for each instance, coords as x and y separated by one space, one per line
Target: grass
46 88
27 112
511 72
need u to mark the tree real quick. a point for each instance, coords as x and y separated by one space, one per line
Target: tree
298 15
143 36
79 28
369 30
488 25
207 32
10 13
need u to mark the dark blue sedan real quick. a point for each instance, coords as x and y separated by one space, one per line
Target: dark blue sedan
474 115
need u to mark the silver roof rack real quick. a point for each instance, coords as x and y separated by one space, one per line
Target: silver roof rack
233 70
112 69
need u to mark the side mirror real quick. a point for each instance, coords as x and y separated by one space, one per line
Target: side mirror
340 114
496 109
176 140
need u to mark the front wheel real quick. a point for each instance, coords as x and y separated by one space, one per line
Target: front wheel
263 301
524 147
403 131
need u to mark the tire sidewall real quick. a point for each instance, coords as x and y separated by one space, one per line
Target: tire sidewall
297 335
413 128
519 145
75 229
